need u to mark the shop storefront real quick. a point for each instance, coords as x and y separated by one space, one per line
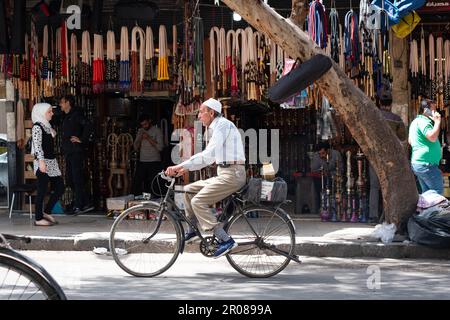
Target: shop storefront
120 66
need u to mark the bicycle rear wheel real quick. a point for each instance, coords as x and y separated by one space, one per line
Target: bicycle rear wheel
260 241
142 245
22 279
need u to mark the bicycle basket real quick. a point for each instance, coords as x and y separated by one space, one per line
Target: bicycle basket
260 190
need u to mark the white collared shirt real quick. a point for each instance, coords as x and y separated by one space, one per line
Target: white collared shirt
225 146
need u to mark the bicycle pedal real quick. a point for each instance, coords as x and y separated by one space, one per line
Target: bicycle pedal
295 258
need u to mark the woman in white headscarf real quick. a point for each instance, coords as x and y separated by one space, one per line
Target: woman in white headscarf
45 165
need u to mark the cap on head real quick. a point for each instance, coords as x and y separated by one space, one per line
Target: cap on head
213 104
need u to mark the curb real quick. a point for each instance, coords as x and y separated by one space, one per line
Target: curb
337 248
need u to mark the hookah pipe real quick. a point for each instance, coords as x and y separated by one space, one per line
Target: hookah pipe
124 140
352 209
349 186
360 186
330 210
112 146
338 193
324 214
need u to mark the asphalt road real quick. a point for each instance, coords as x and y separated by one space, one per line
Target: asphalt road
87 276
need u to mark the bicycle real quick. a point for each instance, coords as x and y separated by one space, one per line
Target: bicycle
21 278
149 245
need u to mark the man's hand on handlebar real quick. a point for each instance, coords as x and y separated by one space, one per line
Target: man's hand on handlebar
175 171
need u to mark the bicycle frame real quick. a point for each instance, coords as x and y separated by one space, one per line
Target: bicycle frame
233 199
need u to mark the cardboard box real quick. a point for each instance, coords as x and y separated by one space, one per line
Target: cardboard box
118 203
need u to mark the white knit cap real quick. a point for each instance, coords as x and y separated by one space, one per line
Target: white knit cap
213 104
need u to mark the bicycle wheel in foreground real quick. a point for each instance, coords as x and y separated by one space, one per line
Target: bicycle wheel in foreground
260 241
142 245
20 280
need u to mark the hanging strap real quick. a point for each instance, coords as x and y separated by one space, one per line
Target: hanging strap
134 34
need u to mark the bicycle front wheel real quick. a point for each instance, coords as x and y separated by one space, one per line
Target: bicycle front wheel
261 241
22 279
141 244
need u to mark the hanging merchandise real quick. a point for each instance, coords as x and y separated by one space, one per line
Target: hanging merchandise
57 80
46 67
190 86
352 44
174 60
397 9
24 83
317 23
150 61
327 126
414 73
34 88
251 67
440 73
367 59
423 65
281 57
447 72
242 56
98 68
74 65
334 35
85 70
124 74
214 38
432 69
112 75
406 25
61 61
163 57
199 79
137 64
20 120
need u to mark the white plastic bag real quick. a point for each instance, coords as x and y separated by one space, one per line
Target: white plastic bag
104 251
385 232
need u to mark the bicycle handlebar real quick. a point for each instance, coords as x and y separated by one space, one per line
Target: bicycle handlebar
167 178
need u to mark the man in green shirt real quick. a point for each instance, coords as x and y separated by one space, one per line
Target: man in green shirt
426 148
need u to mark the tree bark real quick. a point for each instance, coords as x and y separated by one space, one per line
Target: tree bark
362 117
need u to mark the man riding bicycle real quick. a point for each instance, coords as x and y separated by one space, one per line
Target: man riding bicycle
225 148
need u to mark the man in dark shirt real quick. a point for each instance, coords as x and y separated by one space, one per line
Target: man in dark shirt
398 127
77 131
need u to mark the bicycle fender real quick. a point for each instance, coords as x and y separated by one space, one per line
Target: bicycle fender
12 254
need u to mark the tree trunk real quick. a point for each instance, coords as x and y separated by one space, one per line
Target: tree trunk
362 117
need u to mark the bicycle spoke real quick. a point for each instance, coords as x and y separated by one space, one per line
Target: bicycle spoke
268 232
151 245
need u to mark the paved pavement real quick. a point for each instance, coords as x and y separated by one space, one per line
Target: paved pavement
313 237
85 275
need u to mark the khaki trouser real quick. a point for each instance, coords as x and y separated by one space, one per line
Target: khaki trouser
202 194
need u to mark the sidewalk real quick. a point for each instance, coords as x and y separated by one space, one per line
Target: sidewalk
313 237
